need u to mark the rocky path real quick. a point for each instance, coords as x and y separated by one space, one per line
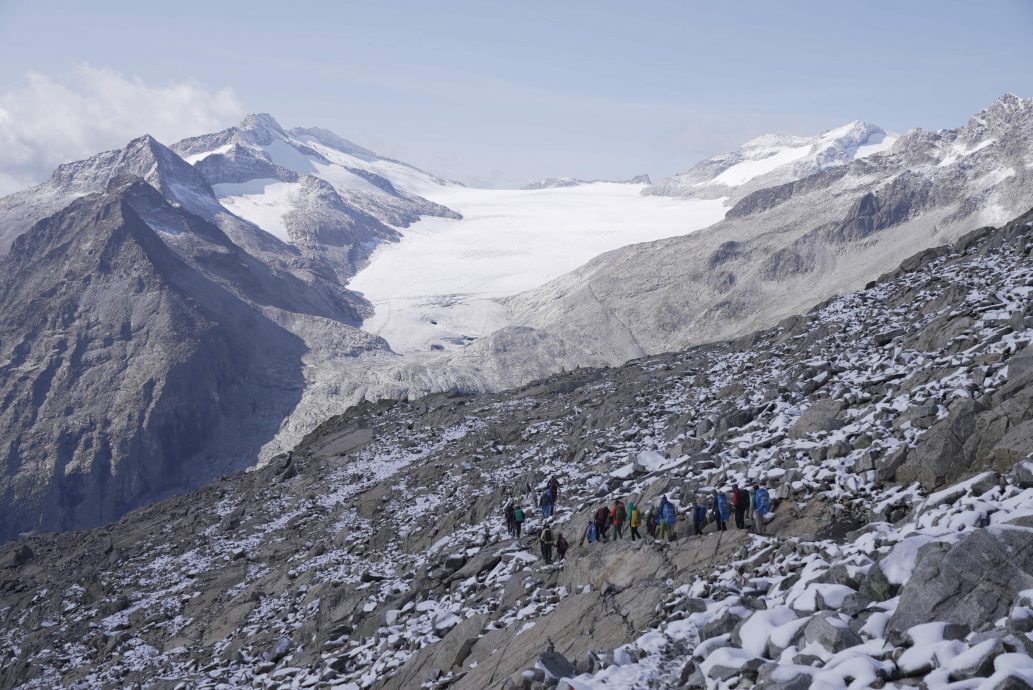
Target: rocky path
892 424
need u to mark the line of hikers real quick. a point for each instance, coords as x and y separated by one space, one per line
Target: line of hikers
660 521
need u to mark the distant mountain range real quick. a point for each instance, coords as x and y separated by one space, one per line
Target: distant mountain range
555 182
174 313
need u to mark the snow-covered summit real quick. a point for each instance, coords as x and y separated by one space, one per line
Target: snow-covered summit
257 170
773 159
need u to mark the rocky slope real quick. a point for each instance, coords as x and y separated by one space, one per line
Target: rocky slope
142 352
891 423
782 249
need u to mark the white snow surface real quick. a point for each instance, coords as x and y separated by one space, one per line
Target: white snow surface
264 202
440 283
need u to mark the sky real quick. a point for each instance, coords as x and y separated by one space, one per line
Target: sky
498 93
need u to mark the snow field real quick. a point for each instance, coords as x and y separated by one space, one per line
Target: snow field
438 285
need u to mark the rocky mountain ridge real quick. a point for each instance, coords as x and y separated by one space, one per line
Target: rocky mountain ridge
782 249
891 424
143 353
774 159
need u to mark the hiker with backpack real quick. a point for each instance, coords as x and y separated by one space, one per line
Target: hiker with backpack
651 522
547 540
591 534
518 520
722 510
634 520
554 487
761 507
561 547
510 520
740 504
699 517
602 522
668 516
546 503
618 516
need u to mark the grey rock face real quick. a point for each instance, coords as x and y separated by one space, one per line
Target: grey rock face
940 458
821 416
973 582
149 371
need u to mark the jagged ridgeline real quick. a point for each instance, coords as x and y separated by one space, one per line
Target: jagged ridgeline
892 426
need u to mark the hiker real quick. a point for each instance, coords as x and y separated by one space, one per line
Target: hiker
740 504
618 516
602 522
591 534
761 507
699 517
554 486
721 510
561 547
667 515
518 520
546 503
547 540
634 520
651 522
510 521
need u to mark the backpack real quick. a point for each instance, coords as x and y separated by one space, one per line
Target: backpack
763 501
546 536
602 515
622 513
561 544
722 507
518 515
636 518
700 513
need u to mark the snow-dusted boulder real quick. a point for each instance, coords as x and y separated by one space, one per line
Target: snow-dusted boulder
970 583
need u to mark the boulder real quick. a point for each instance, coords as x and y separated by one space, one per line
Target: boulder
1014 446
775 676
452 651
939 458
1022 474
972 582
556 665
823 415
1020 366
16 557
876 586
886 466
831 633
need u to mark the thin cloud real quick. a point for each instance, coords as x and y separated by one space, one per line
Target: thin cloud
48 121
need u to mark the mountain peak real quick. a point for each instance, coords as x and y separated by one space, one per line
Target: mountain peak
256 121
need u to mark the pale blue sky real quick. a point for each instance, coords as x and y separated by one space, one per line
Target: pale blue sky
504 93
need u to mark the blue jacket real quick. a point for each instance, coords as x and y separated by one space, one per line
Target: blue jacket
699 514
668 515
